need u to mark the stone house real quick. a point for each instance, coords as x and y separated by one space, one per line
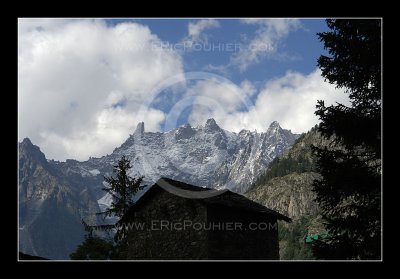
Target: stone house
178 221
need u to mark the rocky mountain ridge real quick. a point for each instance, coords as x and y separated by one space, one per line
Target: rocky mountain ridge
54 196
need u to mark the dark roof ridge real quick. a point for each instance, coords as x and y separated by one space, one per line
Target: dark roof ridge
209 196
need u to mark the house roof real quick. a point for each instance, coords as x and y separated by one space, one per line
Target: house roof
224 197
234 200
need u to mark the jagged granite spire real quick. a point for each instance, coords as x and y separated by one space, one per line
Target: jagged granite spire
211 125
274 125
139 128
26 141
205 156
27 148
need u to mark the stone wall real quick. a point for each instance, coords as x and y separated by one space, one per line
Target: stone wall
250 236
172 242
175 228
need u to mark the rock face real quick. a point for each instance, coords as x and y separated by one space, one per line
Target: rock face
292 193
286 186
206 156
54 196
50 207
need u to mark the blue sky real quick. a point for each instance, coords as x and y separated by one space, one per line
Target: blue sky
303 44
302 48
85 81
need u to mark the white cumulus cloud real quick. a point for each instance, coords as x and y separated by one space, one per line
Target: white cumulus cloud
195 29
197 38
290 100
81 83
266 41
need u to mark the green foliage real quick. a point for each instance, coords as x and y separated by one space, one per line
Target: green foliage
293 235
93 248
300 138
349 192
122 188
282 166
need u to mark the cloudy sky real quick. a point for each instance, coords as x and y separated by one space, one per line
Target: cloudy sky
84 84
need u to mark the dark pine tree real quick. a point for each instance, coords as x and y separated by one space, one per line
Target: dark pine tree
349 192
122 188
93 247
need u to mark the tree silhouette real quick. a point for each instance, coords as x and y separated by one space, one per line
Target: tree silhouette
349 192
93 247
122 189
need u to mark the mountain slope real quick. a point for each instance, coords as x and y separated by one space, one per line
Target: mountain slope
286 186
204 155
54 196
290 195
50 207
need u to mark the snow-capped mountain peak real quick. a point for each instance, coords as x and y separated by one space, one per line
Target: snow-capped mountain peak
205 156
211 126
